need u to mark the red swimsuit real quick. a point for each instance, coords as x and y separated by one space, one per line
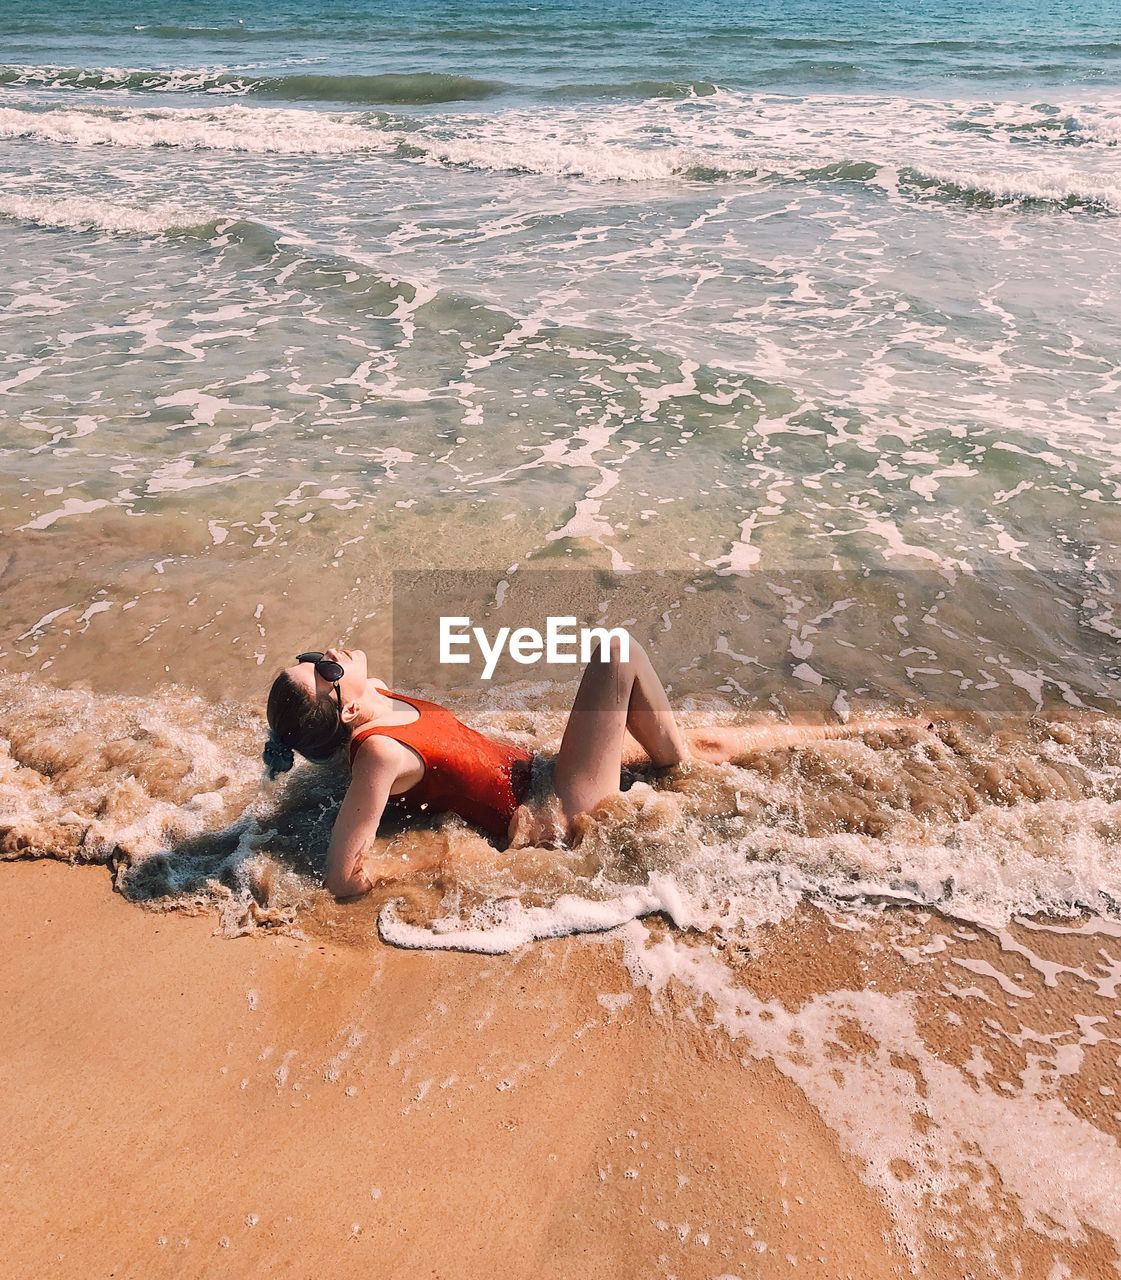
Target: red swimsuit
465 772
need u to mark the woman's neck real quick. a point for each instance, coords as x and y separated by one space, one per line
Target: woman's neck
372 708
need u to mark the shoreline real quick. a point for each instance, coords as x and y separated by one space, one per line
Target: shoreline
186 1104
169 1084
783 344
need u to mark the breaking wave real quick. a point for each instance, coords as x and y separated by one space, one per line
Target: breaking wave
389 88
981 822
392 88
79 213
235 129
718 138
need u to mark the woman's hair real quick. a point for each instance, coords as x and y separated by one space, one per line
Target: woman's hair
300 721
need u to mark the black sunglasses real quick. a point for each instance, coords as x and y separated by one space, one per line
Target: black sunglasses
330 670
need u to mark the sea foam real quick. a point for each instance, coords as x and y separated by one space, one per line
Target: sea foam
962 151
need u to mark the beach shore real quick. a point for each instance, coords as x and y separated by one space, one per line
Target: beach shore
182 1104
179 1103
786 340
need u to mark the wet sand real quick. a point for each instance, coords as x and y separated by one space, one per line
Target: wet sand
184 1104
180 1104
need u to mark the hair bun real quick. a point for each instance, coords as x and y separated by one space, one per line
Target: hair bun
277 756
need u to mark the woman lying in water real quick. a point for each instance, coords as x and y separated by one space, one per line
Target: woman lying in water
413 752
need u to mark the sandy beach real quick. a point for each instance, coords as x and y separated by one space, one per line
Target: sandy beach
784 339
182 1104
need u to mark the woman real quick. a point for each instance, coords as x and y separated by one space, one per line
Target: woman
417 753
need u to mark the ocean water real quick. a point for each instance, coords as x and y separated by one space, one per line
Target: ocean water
814 308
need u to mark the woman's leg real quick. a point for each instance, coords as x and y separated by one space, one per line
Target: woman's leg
720 744
614 696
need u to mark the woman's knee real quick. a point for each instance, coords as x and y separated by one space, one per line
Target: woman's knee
619 650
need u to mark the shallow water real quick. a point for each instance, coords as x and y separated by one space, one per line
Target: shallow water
817 311
292 302
973 1080
790 340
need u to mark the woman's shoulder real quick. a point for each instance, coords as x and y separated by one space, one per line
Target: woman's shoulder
374 748
378 684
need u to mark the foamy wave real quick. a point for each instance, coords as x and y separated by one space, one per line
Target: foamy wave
1083 191
280 131
619 163
982 875
982 825
135 79
723 136
162 790
240 129
77 213
614 163
50 209
1105 130
981 829
83 777
598 163
506 925
914 149
1040 124
927 1130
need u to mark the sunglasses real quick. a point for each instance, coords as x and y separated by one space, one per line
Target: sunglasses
330 670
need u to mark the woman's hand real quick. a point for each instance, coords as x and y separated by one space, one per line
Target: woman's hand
383 870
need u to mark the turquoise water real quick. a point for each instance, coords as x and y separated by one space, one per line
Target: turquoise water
586 49
295 295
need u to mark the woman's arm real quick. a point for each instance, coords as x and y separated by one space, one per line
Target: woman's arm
374 773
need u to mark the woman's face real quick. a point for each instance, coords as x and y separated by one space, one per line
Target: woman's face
353 683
